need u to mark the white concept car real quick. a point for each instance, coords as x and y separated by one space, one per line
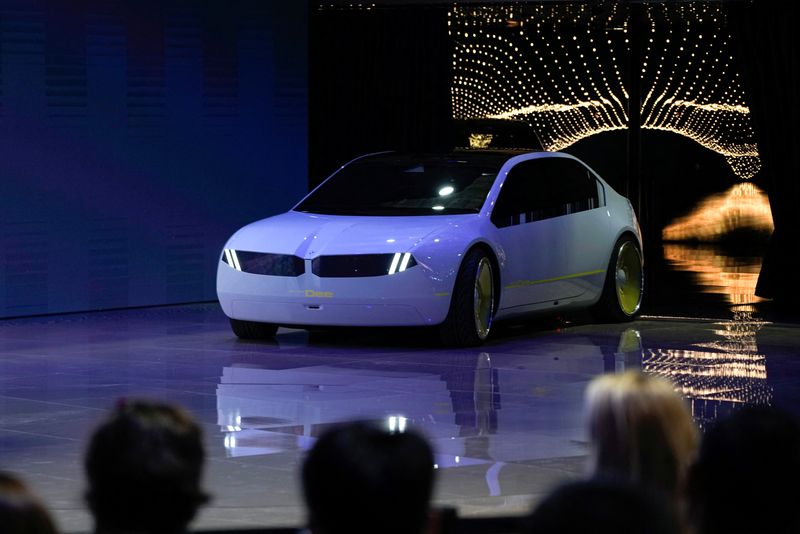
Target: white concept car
455 240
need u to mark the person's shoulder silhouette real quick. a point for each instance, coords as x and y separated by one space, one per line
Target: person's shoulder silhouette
603 506
745 477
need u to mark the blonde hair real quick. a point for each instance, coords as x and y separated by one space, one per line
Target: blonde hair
640 429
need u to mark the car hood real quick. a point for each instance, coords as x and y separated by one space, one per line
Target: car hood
309 235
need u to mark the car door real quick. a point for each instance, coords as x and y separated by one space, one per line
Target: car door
552 224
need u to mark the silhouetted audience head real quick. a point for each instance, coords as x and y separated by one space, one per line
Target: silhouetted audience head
640 429
20 511
360 478
746 476
144 466
602 506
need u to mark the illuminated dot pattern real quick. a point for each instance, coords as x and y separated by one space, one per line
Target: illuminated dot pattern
559 68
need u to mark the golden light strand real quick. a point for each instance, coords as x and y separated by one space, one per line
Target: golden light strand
557 68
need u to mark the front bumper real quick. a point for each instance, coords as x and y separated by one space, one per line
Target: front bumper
409 298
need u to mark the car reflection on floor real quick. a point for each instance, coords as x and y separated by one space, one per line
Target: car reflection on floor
475 410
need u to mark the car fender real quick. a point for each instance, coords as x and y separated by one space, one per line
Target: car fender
442 252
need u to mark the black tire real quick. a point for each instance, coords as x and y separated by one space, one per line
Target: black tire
469 320
623 289
253 330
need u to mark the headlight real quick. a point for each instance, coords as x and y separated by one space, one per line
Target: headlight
341 266
400 262
358 265
263 263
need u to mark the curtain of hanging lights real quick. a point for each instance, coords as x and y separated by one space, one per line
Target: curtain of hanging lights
560 68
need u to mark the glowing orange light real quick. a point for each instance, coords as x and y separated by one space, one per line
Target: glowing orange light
715 273
743 206
477 140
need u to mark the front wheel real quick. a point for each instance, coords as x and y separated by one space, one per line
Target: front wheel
469 320
253 330
624 285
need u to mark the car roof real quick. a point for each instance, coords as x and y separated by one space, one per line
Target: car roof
482 157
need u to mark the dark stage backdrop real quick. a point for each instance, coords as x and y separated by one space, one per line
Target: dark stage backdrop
379 80
135 137
769 48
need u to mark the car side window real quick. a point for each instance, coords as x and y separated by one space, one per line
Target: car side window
542 188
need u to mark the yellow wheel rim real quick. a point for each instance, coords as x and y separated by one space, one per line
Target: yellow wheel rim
629 279
483 302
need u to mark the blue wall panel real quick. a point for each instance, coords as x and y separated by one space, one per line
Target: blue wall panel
135 137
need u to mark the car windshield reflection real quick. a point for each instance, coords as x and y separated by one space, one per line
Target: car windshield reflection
402 185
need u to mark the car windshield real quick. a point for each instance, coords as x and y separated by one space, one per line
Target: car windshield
405 185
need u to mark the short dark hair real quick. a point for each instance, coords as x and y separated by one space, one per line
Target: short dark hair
361 478
144 466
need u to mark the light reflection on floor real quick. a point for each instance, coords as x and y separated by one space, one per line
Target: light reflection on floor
505 419
714 376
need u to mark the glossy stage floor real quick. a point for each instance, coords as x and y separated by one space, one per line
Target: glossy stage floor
505 419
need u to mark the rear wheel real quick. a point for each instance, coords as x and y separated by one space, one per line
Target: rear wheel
624 285
469 320
253 329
